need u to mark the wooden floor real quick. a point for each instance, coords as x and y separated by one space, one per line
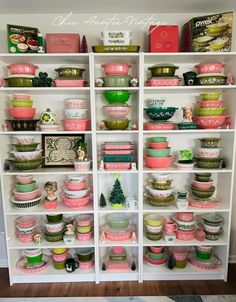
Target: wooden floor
148 288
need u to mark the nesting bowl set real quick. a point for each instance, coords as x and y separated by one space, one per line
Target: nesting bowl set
212 225
85 257
163 75
25 228
54 227
84 227
153 224
21 75
210 74
210 113
158 154
70 76
155 255
185 226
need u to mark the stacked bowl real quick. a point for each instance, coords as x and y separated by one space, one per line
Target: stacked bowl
76 115
22 113
84 227
155 255
21 74
26 193
209 114
76 193
159 115
25 228
70 76
210 74
212 225
160 193
26 157
202 187
163 75
153 224
180 255
54 228
59 257
185 225
117 110
158 153
209 154
85 257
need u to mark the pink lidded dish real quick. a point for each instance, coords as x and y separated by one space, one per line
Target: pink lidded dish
117 166
159 126
118 146
72 103
21 96
24 179
164 81
116 69
210 68
22 113
84 236
210 122
118 152
70 82
185 235
77 202
76 124
117 234
202 185
22 68
73 186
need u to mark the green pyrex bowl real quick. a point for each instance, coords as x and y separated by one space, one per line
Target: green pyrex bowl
34 259
70 72
54 237
116 81
208 163
158 139
158 152
203 255
180 264
84 229
160 199
120 124
152 236
118 220
55 218
209 111
19 82
208 96
22 103
85 254
203 194
116 96
160 113
210 79
26 148
26 187
26 164
154 256
204 177
209 142
161 185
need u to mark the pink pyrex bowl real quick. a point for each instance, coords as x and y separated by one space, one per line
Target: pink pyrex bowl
118 236
60 257
74 186
116 69
76 103
158 145
54 227
202 185
76 124
77 202
70 82
86 265
117 111
210 68
185 235
163 81
22 68
185 216
84 236
159 126
209 152
26 195
25 221
21 96
26 237
210 122
24 179
156 249
22 113
158 162
179 252
210 104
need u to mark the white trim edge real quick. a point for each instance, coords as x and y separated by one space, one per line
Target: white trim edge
3 262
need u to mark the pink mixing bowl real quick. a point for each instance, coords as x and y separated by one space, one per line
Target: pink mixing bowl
22 68
117 111
202 185
210 104
22 113
158 162
116 69
209 68
158 145
210 122
76 124
26 195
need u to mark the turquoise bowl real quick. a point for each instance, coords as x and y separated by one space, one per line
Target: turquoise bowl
160 113
158 152
26 187
158 139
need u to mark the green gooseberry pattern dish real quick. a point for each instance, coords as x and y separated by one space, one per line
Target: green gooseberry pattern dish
161 185
204 177
26 148
117 96
152 236
160 113
209 163
158 152
26 164
203 194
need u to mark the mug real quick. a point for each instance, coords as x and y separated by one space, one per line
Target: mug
189 78
131 203
170 227
71 265
182 195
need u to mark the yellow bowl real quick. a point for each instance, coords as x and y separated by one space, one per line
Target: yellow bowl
217 46
153 220
59 250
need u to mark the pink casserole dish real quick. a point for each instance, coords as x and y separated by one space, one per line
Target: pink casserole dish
117 236
159 126
164 81
185 235
117 166
118 152
210 68
22 68
116 69
84 236
77 202
25 221
76 124
70 82
118 146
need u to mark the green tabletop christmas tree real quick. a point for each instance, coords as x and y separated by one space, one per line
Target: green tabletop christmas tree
117 198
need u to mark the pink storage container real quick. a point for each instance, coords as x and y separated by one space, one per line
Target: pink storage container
185 235
159 126
210 68
27 195
75 103
76 124
116 69
77 202
84 236
86 265
117 166
156 249
119 236
62 43
70 82
21 96
26 237
22 68
163 81
184 216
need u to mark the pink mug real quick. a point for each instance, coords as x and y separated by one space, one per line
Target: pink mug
170 227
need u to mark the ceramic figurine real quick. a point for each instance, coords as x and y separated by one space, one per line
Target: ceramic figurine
5 126
69 235
82 152
99 82
42 80
134 82
37 238
134 237
190 78
50 200
101 125
48 117
187 114
117 198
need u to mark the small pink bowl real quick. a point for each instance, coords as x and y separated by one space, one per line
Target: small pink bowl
84 236
21 96
117 111
185 216
26 237
210 104
116 69
26 195
22 113
73 186
84 220
24 179
202 185
76 124
158 162
86 265
60 257
185 235
25 221
179 252
159 126
156 249
82 165
209 68
70 83
158 145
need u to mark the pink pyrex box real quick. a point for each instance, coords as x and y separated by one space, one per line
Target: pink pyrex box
118 146
117 166
164 81
62 43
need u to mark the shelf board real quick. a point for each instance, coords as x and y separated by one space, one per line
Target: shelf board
177 171
104 58
43 132
197 131
117 132
14 243
48 171
117 171
187 89
109 243
46 90
110 209
161 272
102 89
118 275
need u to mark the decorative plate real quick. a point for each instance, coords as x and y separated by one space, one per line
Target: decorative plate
26 267
210 264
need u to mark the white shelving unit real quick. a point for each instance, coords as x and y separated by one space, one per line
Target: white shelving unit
133 181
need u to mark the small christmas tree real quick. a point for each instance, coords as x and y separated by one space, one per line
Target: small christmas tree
117 198
102 200
84 45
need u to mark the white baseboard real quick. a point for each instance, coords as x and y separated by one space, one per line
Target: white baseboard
3 263
232 259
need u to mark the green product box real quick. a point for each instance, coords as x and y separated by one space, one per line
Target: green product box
22 39
212 33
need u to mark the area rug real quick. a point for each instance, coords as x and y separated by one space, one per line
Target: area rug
210 298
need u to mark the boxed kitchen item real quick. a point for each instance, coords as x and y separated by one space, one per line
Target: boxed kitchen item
212 33
163 38
22 39
62 43
116 37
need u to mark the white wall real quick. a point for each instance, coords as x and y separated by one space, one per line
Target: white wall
91 26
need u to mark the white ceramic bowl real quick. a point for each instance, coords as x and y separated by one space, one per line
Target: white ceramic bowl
27 155
33 252
72 103
212 229
75 178
82 165
25 139
161 178
76 194
159 193
48 128
153 229
76 113
54 227
209 152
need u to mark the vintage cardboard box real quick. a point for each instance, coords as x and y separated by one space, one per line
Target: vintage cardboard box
62 43
212 33
163 38
22 39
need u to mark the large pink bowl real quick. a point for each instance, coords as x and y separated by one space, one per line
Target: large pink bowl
117 111
74 186
210 104
158 145
158 162
26 195
84 236
22 68
76 125
77 202
116 69
22 113
209 68
202 185
210 122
